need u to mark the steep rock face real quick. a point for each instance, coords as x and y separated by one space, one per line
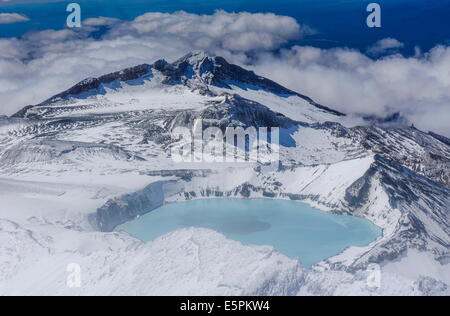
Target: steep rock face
229 112
235 110
406 146
423 205
128 207
411 148
232 111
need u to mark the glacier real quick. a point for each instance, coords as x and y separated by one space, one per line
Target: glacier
75 166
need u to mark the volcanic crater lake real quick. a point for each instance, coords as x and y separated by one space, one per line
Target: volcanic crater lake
294 229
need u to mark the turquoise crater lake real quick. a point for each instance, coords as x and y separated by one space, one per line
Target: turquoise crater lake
294 229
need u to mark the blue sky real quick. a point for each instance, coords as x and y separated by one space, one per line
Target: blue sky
337 22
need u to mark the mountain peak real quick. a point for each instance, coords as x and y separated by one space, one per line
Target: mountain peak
195 57
201 66
197 70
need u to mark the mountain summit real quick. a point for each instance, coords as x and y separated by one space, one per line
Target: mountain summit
196 70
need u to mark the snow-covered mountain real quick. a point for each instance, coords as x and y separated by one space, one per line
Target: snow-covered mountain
78 164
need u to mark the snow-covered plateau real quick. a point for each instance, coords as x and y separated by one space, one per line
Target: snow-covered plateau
75 166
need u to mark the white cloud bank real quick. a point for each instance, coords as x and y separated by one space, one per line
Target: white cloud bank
44 63
384 46
8 18
417 87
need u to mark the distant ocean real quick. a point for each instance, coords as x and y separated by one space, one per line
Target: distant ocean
340 23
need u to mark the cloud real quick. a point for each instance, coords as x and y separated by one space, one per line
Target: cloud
386 45
44 63
347 80
101 21
237 32
8 18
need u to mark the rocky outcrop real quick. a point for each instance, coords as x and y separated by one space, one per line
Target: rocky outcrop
125 208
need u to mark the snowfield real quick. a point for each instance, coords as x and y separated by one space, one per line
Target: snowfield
185 262
97 155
